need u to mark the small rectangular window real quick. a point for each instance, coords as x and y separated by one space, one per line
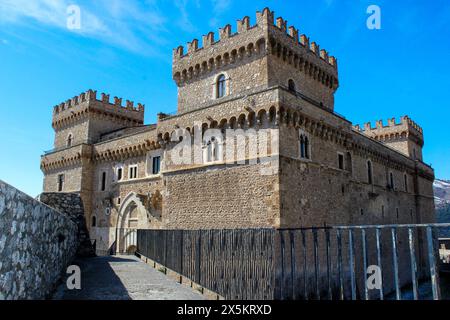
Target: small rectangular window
60 182
341 161
406 182
156 165
133 172
304 146
119 174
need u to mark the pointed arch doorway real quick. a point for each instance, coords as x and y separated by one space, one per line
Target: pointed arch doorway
132 216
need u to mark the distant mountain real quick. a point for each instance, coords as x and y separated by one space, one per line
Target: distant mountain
441 193
442 202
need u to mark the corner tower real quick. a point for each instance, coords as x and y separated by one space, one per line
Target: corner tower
79 123
405 136
255 57
83 119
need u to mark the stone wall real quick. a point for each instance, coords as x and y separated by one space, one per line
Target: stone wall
221 196
37 243
71 205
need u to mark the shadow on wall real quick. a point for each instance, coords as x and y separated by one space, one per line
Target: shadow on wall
98 281
71 205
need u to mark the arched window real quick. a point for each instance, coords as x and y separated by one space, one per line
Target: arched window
369 172
304 146
69 140
212 150
221 86
291 85
94 221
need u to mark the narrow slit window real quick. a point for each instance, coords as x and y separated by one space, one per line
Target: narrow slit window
341 161
156 165
119 174
60 182
369 172
103 181
69 140
391 180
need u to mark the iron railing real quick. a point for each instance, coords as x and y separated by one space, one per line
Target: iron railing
54 150
333 263
236 264
310 263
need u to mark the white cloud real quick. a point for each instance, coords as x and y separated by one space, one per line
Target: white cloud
129 24
136 25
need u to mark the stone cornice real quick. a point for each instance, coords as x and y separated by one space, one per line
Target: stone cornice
82 113
124 152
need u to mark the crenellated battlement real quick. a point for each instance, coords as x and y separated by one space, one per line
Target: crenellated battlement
264 19
91 95
192 60
405 123
87 101
405 136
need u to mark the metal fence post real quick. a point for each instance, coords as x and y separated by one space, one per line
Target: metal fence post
412 254
432 261
340 271
365 262
398 293
316 263
379 261
351 249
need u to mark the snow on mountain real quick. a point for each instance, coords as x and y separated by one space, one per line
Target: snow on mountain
441 193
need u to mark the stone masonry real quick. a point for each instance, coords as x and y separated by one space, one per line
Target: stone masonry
37 243
265 77
70 204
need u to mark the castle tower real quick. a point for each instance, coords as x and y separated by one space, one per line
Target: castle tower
79 123
405 137
255 57
83 119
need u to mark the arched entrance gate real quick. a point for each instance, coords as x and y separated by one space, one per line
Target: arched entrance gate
132 216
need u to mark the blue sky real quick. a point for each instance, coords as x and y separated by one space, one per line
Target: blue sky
124 47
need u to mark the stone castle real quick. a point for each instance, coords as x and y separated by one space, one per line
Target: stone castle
265 77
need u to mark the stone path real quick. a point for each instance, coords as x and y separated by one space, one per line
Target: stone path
123 278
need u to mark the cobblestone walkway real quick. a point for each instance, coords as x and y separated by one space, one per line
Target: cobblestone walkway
123 278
